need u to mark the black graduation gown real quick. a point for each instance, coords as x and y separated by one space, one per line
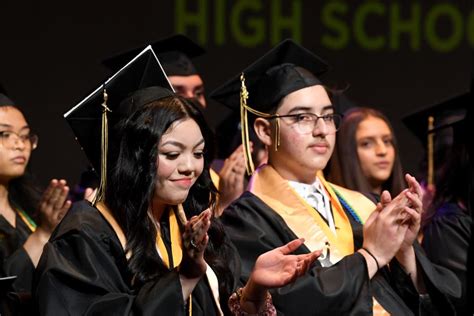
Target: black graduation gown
342 289
83 271
446 240
14 261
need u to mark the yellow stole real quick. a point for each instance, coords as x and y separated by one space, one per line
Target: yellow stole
175 214
214 178
301 218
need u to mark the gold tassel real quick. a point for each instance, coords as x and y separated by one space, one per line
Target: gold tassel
430 146
100 195
244 94
244 108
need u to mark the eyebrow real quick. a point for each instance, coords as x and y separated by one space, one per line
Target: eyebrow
307 108
180 145
9 126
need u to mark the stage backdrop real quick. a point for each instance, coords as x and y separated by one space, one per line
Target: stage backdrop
394 55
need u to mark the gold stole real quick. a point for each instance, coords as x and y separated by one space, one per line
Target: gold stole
301 218
175 214
176 242
214 178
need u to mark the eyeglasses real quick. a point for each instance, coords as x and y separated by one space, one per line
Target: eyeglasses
8 139
306 122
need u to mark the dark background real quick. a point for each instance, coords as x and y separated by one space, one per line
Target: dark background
50 55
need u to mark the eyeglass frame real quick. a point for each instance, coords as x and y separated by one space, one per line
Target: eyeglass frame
276 116
31 138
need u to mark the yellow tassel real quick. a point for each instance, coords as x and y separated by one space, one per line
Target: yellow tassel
103 151
244 108
430 146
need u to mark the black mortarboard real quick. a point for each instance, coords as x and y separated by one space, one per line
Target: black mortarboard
445 113
174 52
286 68
4 100
87 117
436 119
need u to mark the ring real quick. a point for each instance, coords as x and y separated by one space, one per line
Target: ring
193 244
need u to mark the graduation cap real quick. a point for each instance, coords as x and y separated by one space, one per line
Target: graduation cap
4 100
436 119
174 52
442 115
286 68
101 110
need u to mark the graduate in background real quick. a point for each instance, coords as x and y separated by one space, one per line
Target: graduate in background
175 54
447 221
21 208
366 157
289 198
149 244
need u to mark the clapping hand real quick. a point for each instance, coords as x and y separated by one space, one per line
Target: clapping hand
195 241
279 267
54 205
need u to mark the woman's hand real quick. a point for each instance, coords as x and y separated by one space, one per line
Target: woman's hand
231 179
195 240
53 205
52 208
275 268
279 267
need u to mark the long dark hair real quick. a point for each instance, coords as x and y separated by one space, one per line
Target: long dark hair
22 191
131 184
345 168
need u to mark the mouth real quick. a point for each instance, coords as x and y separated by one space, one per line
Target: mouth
383 164
184 182
320 148
19 160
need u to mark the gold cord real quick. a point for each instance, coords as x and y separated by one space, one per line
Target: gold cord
244 108
103 152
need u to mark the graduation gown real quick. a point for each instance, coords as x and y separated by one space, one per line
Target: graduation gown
14 258
446 240
83 271
15 293
338 288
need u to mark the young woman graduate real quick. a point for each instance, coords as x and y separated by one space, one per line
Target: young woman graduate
366 157
371 263
150 244
176 54
447 222
27 219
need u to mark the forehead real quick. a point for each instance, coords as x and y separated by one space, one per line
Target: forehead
12 116
186 81
314 98
373 125
184 131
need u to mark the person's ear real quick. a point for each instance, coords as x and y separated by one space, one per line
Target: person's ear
263 129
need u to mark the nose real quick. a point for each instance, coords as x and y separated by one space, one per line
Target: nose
186 165
18 143
381 148
320 128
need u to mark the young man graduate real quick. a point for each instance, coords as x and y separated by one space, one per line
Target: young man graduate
371 263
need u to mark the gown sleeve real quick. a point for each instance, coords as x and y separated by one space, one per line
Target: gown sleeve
446 242
342 288
83 271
